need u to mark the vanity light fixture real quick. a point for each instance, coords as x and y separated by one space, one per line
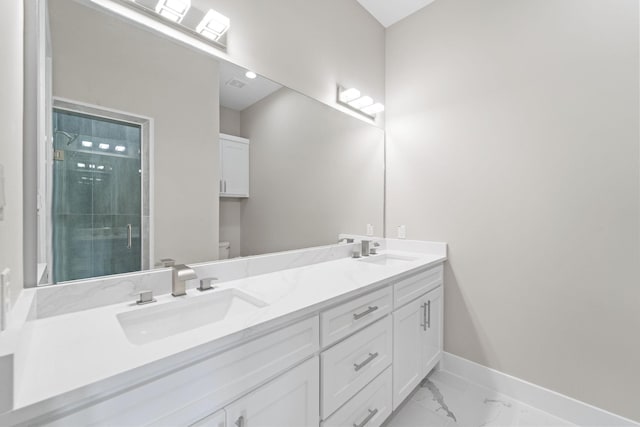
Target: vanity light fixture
101 167
173 10
250 75
87 144
120 148
103 146
360 103
213 25
82 165
374 109
353 99
349 95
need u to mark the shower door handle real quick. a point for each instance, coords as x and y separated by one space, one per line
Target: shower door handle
129 236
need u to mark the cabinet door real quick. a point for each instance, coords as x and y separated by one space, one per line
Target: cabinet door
291 400
234 160
408 335
214 420
432 342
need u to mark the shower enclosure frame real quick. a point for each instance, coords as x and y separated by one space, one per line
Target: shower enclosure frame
45 237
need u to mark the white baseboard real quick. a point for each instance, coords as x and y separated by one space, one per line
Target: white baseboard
549 401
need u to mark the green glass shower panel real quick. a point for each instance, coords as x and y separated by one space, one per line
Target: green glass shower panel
96 198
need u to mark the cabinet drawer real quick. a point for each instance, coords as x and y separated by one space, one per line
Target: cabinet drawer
352 364
369 408
351 316
408 289
187 395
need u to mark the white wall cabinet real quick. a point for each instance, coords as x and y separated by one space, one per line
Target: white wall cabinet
234 166
290 400
417 332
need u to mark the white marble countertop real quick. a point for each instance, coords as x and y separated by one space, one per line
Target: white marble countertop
74 355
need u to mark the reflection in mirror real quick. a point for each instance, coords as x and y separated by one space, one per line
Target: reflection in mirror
312 172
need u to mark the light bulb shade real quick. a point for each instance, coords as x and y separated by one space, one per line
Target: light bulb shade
213 25
250 75
374 109
173 10
349 95
361 102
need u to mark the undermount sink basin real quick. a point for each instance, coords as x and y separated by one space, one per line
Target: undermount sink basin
160 321
387 259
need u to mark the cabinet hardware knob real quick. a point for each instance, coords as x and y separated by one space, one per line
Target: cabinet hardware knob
240 421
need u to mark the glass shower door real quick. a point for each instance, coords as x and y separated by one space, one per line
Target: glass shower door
96 198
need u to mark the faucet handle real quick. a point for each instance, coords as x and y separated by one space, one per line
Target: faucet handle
145 297
167 262
206 284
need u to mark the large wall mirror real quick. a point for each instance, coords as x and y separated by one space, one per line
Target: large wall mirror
132 171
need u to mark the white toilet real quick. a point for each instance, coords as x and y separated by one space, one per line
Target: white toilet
223 250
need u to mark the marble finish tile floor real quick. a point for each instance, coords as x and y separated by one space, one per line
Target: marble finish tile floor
446 400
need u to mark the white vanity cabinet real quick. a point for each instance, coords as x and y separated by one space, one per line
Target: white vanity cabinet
234 166
186 395
417 333
218 419
290 400
350 364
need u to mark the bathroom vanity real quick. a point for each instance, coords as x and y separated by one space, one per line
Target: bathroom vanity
332 341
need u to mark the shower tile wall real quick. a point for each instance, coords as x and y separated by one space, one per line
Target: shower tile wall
96 194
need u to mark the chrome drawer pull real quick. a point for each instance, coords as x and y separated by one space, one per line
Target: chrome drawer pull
370 310
240 421
429 318
424 316
359 366
366 420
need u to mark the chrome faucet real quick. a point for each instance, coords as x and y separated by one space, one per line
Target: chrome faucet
365 247
181 273
374 249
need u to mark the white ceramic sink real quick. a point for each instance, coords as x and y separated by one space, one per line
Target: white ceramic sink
155 322
387 259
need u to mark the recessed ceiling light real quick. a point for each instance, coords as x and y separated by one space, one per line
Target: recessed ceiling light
213 25
103 146
173 10
250 75
349 95
362 102
120 148
87 144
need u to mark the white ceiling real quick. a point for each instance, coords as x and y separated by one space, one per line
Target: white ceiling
240 98
388 12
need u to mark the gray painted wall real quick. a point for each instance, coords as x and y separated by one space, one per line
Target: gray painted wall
230 207
119 66
513 134
11 86
315 172
308 46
